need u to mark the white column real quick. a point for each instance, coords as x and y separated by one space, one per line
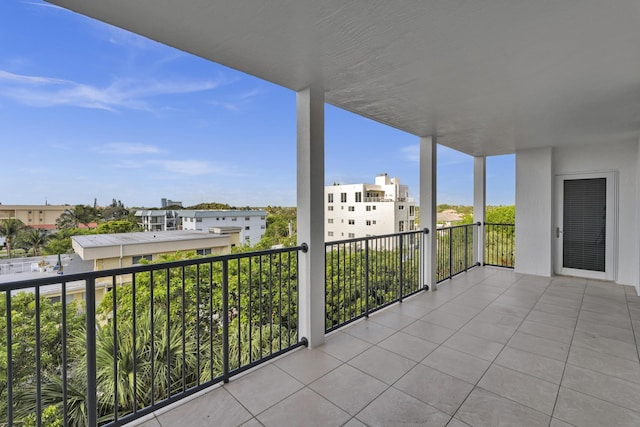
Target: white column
479 204
310 203
428 173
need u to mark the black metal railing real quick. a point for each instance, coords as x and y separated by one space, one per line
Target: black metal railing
499 245
366 274
455 250
142 337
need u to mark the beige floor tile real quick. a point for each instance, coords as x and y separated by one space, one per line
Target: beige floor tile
369 331
382 364
522 388
613 390
605 345
460 365
489 331
448 320
429 331
532 364
619 320
546 331
581 410
483 408
256 391
392 319
606 364
408 346
349 388
540 346
395 408
605 331
556 320
475 346
343 346
307 365
439 390
216 407
305 408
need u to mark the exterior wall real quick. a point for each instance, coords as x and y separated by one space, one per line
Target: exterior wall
34 215
387 203
622 159
534 211
536 170
253 223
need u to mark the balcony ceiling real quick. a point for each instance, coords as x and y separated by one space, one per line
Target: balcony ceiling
487 77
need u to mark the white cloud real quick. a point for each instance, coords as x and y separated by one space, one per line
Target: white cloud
188 167
42 91
238 102
128 148
411 153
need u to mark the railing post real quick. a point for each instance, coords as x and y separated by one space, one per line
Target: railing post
366 277
90 303
466 247
401 269
450 252
225 321
9 360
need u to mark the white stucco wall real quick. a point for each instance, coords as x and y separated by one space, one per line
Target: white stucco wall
621 158
536 170
534 215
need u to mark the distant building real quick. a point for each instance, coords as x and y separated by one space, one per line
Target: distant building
253 224
158 220
127 249
361 210
448 217
165 203
35 216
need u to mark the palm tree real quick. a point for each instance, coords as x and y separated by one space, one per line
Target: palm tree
67 219
9 229
34 239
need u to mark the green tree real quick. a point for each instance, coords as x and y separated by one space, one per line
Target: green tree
501 214
33 239
117 226
10 228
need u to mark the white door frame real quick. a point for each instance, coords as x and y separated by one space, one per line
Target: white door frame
611 242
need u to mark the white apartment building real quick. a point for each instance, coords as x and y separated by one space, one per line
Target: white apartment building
253 224
362 210
158 219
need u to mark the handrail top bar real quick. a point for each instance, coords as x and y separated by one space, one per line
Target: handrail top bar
67 278
473 224
377 236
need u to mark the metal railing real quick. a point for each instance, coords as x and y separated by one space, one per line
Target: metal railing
366 274
455 250
499 245
142 337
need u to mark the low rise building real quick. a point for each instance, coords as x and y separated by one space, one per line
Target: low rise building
158 219
362 210
252 224
35 216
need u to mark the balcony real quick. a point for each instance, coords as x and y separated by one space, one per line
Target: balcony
492 347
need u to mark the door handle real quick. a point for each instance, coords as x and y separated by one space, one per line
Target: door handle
558 232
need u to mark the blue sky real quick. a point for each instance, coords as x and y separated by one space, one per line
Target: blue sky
91 111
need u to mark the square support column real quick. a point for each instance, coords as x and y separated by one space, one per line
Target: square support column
480 204
428 204
310 203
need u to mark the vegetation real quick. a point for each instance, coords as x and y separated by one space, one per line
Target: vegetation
10 229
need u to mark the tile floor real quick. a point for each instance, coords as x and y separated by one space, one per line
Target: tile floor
489 348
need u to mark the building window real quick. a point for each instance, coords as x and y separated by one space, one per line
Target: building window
358 197
343 197
401 226
204 251
412 210
246 218
198 219
352 222
263 227
330 221
263 218
373 222
330 233
368 222
330 197
234 219
40 211
247 227
368 208
352 235
29 219
374 208
29 212
329 208
137 259
401 207
352 208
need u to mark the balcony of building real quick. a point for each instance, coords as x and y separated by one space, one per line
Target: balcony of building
491 347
